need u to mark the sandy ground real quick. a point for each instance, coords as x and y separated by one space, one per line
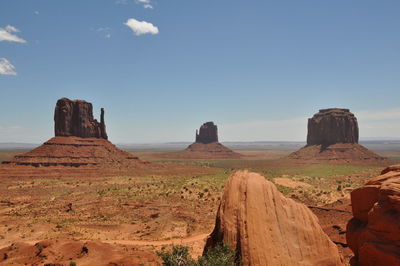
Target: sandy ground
146 211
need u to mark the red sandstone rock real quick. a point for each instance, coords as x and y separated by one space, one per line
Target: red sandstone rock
373 234
333 137
208 133
330 126
75 118
266 228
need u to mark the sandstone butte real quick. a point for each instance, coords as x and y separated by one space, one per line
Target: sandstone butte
80 140
75 118
266 228
373 234
206 145
333 137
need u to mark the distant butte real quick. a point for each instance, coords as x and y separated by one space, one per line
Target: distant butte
80 141
75 118
208 133
331 126
333 137
206 146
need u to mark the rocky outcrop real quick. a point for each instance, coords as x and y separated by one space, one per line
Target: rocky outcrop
75 118
208 133
373 234
333 137
331 126
266 228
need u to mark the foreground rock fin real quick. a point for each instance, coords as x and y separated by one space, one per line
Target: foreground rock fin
266 228
373 234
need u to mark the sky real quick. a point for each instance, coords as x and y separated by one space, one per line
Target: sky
161 68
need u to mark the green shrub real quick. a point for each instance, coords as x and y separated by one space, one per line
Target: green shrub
221 255
178 256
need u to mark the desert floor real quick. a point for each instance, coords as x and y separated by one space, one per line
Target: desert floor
148 211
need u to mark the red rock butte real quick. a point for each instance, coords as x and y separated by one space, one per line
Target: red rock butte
206 145
80 141
333 137
75 118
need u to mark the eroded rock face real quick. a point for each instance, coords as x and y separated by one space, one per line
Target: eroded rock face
373 234
208 133
331 126
266 228
75 118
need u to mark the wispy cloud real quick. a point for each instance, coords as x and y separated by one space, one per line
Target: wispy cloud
6 68
6 34
36 12
145 3
141 27
106 31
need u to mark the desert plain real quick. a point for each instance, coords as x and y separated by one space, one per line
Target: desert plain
141 211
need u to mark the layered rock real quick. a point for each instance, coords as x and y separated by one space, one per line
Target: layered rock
333 136
266 228
373 234
331 126
208 133
75 118
80 141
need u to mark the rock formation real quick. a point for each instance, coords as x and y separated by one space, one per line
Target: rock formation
331 126
75 118
333 136
80 141
373 234
208 133
266 228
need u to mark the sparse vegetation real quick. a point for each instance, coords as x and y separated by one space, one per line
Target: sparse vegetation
221 255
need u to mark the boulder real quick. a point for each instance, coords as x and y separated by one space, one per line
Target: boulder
75 118
208 133
331 126
266 228
373 234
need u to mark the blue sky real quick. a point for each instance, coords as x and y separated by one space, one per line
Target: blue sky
256 68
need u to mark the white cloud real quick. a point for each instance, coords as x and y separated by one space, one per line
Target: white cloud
10 28
36 12
6 68
141 27
148 6
6 34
